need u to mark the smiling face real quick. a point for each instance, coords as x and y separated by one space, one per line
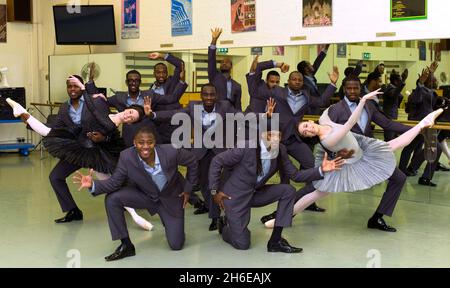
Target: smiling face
130 116
133 82
308 129
73 90
161 73
145 144
208 95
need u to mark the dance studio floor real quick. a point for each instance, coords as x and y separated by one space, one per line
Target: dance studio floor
338 238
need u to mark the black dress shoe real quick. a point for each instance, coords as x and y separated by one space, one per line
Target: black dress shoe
426 182
268 217
201 209
314 208
410 172
441 167
213 225
72 215
282 246
121 252
378 223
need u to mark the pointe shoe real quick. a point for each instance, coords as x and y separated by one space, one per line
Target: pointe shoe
269 224
144 224
17 108
428 121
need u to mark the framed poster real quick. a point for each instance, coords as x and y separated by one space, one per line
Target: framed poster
181 17
341 51
408 10
422 51
256 51
278 51
317 13
243 15
2 23
130 19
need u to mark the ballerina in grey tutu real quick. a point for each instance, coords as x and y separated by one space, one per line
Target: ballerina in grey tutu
373 160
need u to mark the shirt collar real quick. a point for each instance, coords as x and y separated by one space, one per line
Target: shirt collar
265 153
349 103
81 100
291 93
156 160
139 95
213 111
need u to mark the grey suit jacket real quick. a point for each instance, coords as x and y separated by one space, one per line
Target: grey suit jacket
119 100
289 120
243 179
171 84
340 113
131 170
220 82
257 87
221 108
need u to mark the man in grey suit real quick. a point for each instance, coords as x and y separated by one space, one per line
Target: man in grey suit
210 108
153 183
340 113
75 116
122 100
310 82
163 85
247 187
259 89
293 102
226 88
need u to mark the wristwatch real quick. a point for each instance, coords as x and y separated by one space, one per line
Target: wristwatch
213 192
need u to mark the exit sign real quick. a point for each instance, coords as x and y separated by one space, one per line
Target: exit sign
223 50
367 56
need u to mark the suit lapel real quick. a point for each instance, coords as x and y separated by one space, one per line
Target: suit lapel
163 161
348 114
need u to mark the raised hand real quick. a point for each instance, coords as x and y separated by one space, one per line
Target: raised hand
334 76
433 67
219 198
147 105
405 75
85 181
155 56
74 80
183 72
100 95
285 68
91 71
270 107
424 76
215 34
372 95
185 196
254 64
331 165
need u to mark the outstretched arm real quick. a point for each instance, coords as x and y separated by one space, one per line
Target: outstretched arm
340 133
212 58
225 159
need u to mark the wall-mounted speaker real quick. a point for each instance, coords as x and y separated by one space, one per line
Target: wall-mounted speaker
20 10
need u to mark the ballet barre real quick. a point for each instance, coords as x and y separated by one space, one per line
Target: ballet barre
51 105
438 126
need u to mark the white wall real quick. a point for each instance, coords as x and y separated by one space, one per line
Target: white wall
277 22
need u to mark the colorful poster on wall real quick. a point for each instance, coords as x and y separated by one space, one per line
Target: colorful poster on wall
181 17
317 13
341 51
422 51
408 10
243 15
130 19
278 51
2 23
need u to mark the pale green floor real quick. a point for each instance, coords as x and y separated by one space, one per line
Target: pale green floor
338 238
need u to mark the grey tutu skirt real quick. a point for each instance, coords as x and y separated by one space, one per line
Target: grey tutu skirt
376 165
